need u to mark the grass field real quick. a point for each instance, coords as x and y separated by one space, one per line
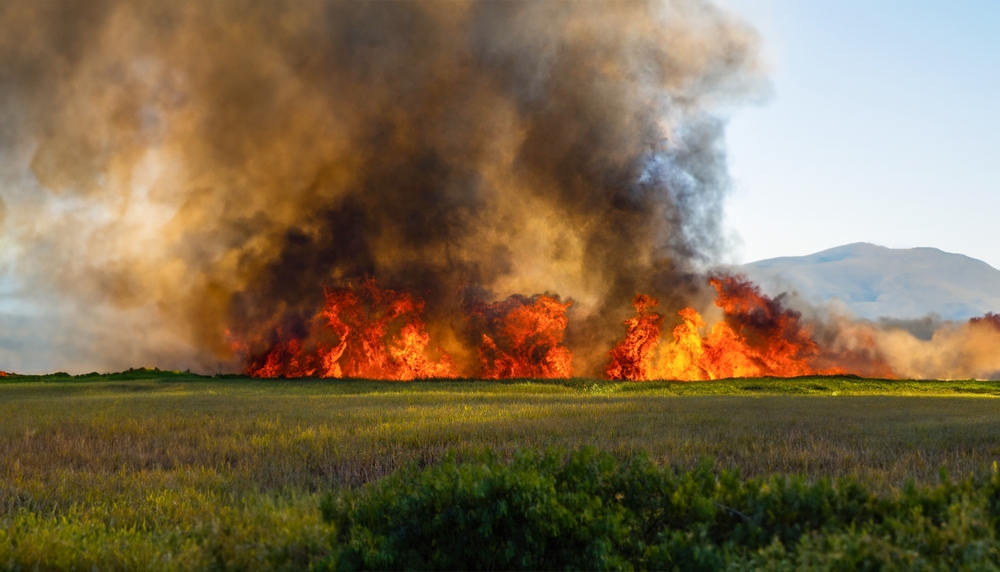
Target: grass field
157 469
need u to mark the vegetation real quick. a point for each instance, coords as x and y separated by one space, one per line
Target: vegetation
594 512
177 471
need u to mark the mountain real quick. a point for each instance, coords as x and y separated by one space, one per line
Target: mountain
876 282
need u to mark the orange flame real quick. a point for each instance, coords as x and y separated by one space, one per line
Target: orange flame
757 337
355 340
631 358
372 333
368 332
523 337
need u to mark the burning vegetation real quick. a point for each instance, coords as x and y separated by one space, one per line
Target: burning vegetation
379 334
757 337
360 332
368 332
374 333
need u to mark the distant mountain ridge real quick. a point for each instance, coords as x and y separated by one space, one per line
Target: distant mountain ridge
879 282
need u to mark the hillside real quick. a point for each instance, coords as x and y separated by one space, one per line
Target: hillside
875 281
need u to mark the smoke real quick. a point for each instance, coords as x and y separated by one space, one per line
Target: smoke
174 170
909 350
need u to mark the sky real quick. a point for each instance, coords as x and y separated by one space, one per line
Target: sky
882 125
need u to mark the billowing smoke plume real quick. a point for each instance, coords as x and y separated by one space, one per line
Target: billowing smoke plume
174 170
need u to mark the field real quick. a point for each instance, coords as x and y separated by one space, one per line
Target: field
170 470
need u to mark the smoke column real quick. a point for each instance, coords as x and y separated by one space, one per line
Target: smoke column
174 170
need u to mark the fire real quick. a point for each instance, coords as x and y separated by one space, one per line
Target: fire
361 332
757 337
631 358
3 373
522 337
366 331
372 333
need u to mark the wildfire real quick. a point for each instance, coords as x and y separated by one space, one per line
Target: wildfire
365 332
374 333
368 332
371 333
522 337
3 373
758 337
631 359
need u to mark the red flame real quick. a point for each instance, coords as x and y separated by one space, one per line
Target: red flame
368 332
522 337
355 339
631 358
3 373
757 337
372 333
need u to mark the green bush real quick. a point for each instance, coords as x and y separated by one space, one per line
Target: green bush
589 510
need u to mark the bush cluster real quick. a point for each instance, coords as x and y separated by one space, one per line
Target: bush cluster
589 510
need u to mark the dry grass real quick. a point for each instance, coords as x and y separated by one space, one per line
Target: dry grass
312 435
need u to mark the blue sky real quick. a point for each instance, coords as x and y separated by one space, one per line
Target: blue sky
883 126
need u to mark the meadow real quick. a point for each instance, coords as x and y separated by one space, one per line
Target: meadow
149 469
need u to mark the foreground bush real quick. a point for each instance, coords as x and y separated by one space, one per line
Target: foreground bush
592 511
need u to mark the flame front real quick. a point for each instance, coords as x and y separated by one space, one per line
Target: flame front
523 338
631 359
368 332
374 333
371 333
757 337
365 332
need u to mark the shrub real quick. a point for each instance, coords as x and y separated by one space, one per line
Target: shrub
588 510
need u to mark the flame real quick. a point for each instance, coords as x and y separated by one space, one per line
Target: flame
630 359
351 337
522 337
374 333
3 373
371 333
757 337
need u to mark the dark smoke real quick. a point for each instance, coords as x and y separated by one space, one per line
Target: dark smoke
204 166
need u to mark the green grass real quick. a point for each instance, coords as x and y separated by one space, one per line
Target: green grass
164 469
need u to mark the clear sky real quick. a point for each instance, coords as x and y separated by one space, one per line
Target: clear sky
883 126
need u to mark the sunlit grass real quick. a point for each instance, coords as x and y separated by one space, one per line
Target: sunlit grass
119 471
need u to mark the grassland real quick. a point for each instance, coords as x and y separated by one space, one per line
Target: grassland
170 470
